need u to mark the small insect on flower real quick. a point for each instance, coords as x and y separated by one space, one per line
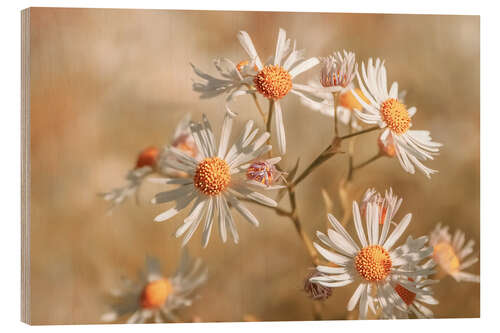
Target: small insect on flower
264 172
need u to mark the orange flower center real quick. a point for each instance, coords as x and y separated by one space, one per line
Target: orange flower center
395 115
407 296
147 157
155 293
373 263
349 101
212 176
273 82
445 256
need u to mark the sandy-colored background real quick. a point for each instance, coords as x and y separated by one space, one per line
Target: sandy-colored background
107 83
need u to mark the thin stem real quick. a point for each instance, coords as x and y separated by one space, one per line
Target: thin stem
335 118
268 123
368 161
257 104
298 226
269 116
324 156
317 310
370 129
351 158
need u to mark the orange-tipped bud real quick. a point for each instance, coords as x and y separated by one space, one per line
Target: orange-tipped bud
147 157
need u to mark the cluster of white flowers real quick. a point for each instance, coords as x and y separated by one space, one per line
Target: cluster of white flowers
393 281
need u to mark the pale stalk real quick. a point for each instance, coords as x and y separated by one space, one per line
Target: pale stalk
368 161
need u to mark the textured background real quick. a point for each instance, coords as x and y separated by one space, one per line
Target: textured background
107 83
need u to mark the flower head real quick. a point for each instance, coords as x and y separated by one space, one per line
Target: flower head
450 253
215 181
410 297
385 109
315 290
156 296
337 70
264 171
372 263
275 80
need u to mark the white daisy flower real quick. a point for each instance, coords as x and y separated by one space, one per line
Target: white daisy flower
373 264
274 80
390 200
156 296
450 253
403 301
385 110
216 179
153 160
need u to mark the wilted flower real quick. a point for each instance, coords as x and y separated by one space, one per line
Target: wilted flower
388 112
450 253
156 296
264 172
215 180
338 71
314 290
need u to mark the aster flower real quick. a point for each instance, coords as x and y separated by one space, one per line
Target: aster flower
451 254
374 264
275 79
390 200
388 112
402 301
156 296
217 179
152 160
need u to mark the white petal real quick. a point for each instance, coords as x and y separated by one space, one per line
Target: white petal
280 128
397 232
247 44
355 297
332 257
358 224
303 66
226 132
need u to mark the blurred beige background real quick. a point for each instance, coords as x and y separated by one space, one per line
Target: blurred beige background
107 83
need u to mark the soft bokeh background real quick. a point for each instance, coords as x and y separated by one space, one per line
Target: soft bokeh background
107 83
